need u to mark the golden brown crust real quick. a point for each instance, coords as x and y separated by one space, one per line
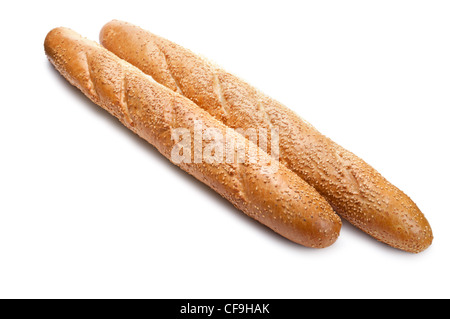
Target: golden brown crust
280 200
354 189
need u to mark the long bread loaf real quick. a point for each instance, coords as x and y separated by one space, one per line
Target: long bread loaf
353 188
278 199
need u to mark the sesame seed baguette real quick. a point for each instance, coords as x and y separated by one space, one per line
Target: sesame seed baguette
353 188
277 198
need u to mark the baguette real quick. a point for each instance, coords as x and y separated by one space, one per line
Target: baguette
278 199
354 189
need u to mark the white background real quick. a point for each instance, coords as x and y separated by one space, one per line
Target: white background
88 210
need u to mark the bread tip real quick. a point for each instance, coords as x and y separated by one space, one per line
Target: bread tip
425 243
49 39
327 232
106 29
53 36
